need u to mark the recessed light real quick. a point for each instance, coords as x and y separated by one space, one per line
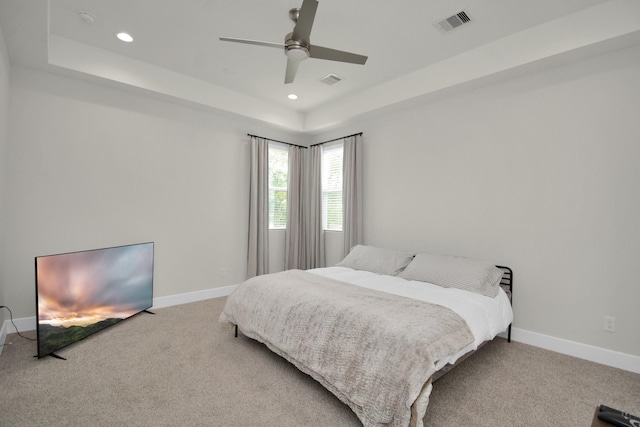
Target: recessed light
292 96
125 37
87 17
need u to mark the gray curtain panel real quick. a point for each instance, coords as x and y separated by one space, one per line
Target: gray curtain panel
294 249
315 234
352 193
258 253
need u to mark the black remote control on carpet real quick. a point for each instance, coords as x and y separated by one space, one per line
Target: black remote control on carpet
618 418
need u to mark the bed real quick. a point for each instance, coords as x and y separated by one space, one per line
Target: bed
380 327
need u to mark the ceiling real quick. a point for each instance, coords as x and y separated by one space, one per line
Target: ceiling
177 52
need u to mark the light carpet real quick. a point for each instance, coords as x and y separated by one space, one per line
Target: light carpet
180 367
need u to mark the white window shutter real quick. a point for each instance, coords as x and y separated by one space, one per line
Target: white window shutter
332 187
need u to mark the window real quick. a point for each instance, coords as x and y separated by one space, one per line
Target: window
332 187
278 174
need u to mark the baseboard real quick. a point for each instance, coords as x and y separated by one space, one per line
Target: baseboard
24 324
603 356
600 355
168 301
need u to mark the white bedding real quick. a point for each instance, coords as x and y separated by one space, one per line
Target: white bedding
486 317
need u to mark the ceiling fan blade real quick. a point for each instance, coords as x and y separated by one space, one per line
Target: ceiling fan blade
302 29
320 52
292 69
254 42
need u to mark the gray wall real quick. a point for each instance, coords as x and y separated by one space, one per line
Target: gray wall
4 107
90 166
540 173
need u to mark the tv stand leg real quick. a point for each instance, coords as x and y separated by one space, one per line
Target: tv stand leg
52 355
56 356
147 311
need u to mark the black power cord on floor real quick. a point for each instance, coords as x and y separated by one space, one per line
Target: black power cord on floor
14 325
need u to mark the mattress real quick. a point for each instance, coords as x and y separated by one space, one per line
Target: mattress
487 317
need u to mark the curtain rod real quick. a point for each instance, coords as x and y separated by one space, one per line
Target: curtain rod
275 140
302 146
331 140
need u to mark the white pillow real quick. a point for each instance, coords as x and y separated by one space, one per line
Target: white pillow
376 260
455 272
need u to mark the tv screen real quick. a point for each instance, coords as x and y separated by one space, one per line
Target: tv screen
81 293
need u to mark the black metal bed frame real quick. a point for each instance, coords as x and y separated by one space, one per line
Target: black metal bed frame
507 285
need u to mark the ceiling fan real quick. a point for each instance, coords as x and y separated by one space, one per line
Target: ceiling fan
297 46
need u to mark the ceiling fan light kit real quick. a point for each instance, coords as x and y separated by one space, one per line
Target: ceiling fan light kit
294 49
297 46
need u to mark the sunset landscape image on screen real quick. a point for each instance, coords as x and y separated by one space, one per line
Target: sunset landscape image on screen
82 292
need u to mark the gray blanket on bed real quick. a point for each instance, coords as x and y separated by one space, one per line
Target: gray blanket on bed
373 350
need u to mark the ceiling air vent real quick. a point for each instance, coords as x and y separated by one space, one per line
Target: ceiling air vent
330 79
453 22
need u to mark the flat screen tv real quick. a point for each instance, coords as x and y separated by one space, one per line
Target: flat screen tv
81 293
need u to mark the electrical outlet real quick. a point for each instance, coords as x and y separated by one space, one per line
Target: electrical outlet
609 324
223 272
